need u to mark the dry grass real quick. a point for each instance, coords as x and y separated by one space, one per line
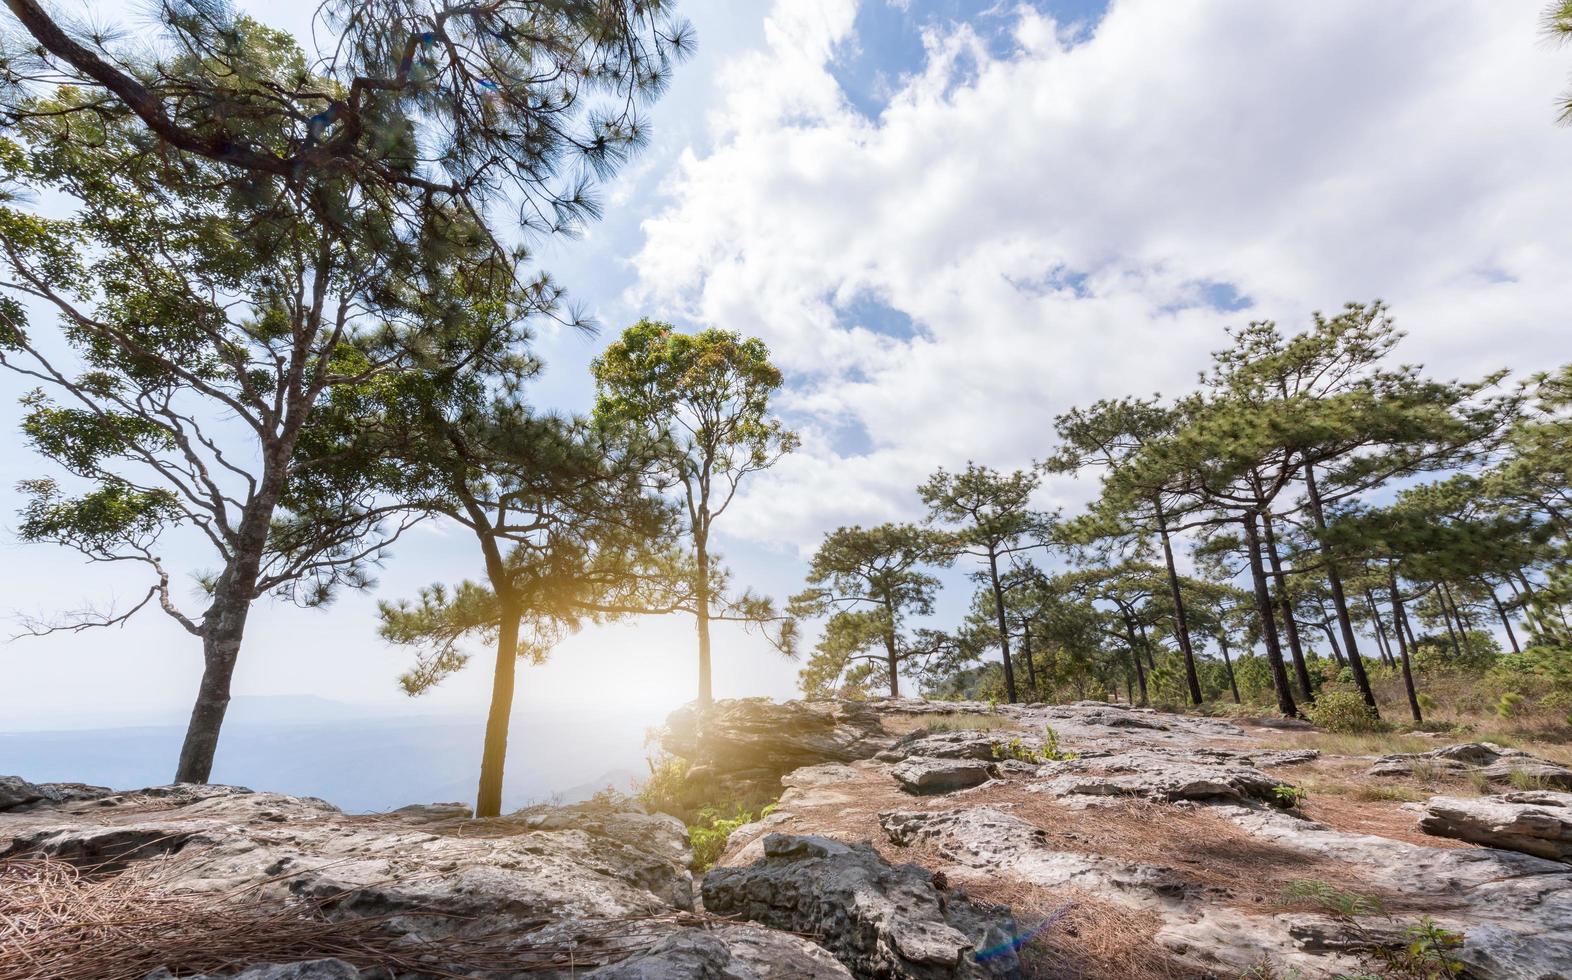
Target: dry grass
59 922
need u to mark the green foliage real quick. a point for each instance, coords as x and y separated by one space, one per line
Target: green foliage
708 394
1329 899
1049 751
868 581
1509 705
713 828
1287 797
1344 712
665 789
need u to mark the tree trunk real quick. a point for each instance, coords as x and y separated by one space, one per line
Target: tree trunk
1443 599
224 625
493 757
1382 643
1031 668
701 619
1181 622
1331 638
1400 619
1290 624
1135 656
892 656
1334 580
1506 621
1465 621
221 635
1004 632
1146 644
1228 665
1263 608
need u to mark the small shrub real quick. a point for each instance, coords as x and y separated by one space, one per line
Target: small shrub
1288 797
708 836
1510 705
1021 752
1343 712
665 789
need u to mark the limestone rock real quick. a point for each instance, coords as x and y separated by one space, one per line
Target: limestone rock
921 775
17 793
732 952
1537 823
1497 764
433 812
945 745
1154 776
878 919
558 884
744 746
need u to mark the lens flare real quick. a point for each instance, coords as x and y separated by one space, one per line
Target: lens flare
1014 945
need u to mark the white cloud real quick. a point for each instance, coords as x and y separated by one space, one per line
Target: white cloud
1307 154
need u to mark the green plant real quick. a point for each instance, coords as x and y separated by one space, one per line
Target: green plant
1021 752
1288 797
1344 712
1510 705
1428 954
708 836
1329 898
1051 751
665 789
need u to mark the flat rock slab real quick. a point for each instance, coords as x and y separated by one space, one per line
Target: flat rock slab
1496 763
965 744
1154 776
880 920
1537 823
922 775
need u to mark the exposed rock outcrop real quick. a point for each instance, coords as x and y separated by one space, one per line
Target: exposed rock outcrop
739 749
1153 776
1537 823
1496 764
880 920
17 793
923 775
591 885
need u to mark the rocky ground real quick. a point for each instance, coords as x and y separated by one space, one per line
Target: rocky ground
911 840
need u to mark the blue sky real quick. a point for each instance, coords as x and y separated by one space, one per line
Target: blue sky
951 221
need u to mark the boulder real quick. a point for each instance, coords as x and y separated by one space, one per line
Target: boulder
740 748
1537 823
433 812
1155 776
945 745
878 919
17 793
921 775
1497 764
729 952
